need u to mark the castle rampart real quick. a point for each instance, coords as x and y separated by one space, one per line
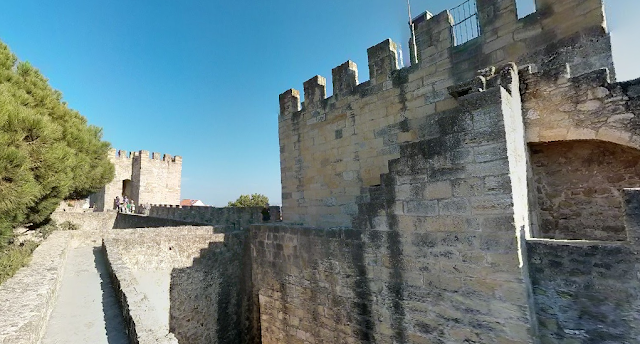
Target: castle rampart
459 187
331 147
227 218
489 193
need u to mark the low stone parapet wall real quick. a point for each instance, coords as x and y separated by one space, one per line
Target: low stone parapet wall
230 218
87 221
100 221
125 221
170 278
179 283
27 299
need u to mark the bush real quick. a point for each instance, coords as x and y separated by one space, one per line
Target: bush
47 229
69 226
255 200
13 257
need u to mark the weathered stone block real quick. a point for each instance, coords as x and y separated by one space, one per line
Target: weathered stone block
424 208
455 206
438 190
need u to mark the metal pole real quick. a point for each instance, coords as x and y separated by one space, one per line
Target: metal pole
413 56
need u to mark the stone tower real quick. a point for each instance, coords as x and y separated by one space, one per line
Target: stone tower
146 178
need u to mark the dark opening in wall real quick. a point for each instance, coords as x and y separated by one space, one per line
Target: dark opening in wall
126 188
525 7
579 188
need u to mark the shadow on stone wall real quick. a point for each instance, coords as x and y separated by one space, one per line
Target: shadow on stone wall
587 291
312 283
114 322
211 300
227 219
382 199
126 221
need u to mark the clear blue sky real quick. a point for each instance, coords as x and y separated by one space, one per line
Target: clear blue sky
201 78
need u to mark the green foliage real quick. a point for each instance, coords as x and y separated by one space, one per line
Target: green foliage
48 152
46 230
255 200
69 226
13 257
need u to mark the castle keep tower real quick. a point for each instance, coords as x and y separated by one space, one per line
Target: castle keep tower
146 178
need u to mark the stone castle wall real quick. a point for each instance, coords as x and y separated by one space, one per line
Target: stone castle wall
332 147
141 262
426 204
160 178
375 286
211 299
227 218
586 291
559 32
123 164
584 137
433 255
579 188
425 192
149 179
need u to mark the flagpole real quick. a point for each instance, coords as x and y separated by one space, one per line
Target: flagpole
413 49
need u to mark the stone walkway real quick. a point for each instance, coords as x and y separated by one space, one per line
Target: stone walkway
86 310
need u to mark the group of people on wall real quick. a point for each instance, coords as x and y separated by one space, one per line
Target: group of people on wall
124 205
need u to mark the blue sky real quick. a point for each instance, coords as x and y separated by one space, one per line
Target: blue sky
201 78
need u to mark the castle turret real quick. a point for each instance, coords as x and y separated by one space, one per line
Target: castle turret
141 177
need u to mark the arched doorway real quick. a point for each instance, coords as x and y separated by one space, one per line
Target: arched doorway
127 188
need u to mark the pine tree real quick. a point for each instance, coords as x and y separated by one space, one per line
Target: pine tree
48 152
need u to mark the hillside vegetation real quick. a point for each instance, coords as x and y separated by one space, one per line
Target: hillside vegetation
254 200
48 152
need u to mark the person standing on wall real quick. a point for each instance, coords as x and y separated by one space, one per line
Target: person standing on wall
266 214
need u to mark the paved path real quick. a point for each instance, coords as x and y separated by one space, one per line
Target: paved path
87 310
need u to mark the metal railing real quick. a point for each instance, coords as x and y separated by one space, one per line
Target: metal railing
466 25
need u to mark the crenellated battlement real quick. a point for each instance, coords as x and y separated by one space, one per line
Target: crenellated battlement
333 145
122 154
233 218
144 154
574 24
383 60
345 78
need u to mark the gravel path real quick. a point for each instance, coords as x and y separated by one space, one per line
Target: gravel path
87 310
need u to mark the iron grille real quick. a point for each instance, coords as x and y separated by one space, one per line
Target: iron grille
465 18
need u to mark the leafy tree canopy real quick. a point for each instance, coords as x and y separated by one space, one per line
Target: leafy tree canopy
48 152
255 200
